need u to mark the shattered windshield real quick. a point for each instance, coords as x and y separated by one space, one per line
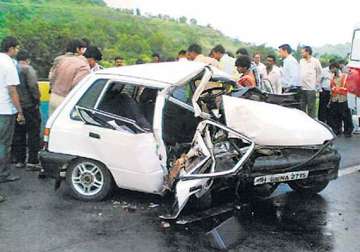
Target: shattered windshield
183 93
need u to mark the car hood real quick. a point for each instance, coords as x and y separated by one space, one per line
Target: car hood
273 125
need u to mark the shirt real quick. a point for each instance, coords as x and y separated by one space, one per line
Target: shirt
291 71
310 73
207 60
227 64
96 68
255 72
28 89
8 77
261 69
326 77
67 71
274 76
247 80
338 89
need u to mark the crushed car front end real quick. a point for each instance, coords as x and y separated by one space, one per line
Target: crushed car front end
249 147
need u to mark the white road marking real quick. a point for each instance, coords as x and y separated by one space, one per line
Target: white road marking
349 170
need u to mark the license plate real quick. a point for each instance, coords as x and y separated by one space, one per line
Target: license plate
282 177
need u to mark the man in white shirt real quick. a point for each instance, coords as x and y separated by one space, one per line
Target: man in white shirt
290 71
182 56
325 94
260 66
226 63
273 74
194 54
310 76
93 56
10 109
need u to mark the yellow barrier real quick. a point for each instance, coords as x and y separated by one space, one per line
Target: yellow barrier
44 87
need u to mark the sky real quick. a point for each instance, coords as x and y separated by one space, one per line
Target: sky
273 22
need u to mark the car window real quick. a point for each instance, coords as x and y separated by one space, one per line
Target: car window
120 99
88 100
90 97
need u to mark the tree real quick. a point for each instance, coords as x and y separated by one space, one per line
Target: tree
193 21
43 27
182 19
138 13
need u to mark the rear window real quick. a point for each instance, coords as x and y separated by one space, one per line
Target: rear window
90 97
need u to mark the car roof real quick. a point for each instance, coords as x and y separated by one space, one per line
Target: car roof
357 26
166 74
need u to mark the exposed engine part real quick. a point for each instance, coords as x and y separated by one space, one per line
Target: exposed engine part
175 170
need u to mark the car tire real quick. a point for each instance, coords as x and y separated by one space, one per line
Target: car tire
89 180
308 186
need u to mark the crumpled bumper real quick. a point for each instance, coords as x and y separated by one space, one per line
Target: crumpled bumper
324 166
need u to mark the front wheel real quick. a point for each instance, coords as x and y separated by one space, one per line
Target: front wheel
308 186
89 180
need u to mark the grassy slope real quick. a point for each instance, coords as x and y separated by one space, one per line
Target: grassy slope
44 26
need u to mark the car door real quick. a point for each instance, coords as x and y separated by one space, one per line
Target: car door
125 147
209 145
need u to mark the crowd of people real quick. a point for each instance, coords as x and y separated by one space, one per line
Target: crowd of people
20 118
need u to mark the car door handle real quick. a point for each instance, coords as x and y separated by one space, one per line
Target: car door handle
94 135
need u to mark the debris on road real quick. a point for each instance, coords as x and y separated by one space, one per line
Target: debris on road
153 205
129 208
164 224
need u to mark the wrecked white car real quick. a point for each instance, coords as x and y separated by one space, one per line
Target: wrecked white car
182 128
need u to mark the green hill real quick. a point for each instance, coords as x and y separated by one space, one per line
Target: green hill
44 26
340 50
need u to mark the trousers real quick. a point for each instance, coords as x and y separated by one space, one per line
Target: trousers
27 139
308 102
54 102
341 116
324 111
7 124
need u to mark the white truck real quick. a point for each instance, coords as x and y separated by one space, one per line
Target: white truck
353 78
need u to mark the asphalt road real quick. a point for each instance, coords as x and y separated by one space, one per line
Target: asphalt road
36 218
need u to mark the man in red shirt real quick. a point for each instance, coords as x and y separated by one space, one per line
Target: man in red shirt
339 110
247 79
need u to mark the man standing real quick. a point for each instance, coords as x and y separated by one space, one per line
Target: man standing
194 54
253 67
10 109
27 139
182 57
93 56
340 114
325 94
310 76
260 66
247 79
67 71
156 58
290 77
119 61
273 74
226 63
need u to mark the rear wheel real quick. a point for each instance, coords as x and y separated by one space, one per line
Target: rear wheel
89 180
308 186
